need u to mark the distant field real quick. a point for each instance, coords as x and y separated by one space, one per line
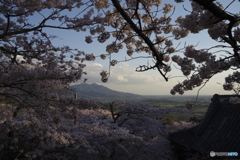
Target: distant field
200 110
181 116
181 113
166 104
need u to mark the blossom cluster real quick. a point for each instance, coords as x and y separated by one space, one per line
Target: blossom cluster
232 82
104 76
185 63
86 134
234 100
205 62
189 105
198 55
113 62
32 67
145 21
103 37
113 47
45 125
177 126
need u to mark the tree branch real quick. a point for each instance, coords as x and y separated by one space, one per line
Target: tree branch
155 52
222 15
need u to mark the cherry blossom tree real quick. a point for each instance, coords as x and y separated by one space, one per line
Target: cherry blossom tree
46 126
147 26
31 66
222 27
28 56
94 134
139 26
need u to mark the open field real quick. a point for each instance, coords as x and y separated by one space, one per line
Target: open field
201 110
178 110
176 104
182 116
165 104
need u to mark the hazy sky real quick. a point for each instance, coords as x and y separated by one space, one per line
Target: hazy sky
123 76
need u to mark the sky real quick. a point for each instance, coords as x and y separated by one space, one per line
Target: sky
123 76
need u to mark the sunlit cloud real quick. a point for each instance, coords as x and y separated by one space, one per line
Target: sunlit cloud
94 66
125 79
120 74
121 78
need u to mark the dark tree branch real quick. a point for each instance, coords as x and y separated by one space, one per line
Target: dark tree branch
155 52
223 15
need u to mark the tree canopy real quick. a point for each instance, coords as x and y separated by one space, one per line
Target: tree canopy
29 58
32 68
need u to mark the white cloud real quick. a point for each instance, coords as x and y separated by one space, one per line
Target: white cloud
94 66
124 78
130 76
121 78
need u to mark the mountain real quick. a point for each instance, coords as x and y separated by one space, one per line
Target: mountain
94 90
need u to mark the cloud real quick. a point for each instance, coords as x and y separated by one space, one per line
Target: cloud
121 78
122 73
94 65
124 78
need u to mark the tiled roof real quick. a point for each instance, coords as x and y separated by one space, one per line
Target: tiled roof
219 131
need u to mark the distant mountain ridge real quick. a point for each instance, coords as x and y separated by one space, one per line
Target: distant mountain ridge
94 90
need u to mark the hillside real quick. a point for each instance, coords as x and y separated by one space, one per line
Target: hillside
98 91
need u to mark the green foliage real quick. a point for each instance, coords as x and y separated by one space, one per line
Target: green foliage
168 121
195 119
200 110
